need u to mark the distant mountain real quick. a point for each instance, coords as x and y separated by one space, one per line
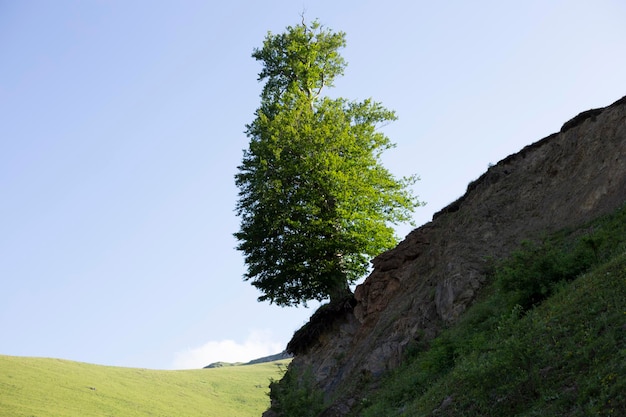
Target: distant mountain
265 359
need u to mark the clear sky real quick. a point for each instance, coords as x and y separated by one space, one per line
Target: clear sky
121 127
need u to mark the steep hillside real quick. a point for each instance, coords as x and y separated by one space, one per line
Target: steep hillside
428 281
547 337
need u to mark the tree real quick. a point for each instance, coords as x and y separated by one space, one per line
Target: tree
315 201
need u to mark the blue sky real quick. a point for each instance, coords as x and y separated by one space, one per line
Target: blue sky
121 127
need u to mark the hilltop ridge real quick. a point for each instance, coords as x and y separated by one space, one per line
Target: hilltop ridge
271 358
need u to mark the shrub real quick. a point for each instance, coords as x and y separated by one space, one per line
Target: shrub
295 395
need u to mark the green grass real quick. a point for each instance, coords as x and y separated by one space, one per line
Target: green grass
36 387
547 338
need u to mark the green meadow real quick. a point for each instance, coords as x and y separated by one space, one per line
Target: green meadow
38 387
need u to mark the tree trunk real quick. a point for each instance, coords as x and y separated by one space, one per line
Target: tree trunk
340 291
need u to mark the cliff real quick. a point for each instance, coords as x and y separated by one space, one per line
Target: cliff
434 274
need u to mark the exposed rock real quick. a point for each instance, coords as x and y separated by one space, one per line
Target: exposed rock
321 323
430 278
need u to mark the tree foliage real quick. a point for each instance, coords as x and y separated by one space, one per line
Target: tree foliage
315 201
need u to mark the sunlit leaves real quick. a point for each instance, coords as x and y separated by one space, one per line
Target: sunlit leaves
315 201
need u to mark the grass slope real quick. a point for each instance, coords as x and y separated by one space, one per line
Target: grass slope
36 387
548 338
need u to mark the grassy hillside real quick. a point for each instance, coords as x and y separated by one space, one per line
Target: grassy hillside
35 387
547 338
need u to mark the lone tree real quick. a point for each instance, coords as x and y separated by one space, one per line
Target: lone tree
315 201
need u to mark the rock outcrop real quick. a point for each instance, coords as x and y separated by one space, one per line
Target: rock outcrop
429 279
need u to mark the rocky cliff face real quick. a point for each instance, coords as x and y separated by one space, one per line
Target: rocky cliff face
429 279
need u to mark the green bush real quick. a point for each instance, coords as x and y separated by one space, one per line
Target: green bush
296 395
532 272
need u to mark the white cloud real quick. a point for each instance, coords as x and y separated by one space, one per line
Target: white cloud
257 345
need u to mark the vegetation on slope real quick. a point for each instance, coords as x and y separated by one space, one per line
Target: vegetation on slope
548 337
36 387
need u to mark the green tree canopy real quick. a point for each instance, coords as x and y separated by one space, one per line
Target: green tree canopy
315 201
